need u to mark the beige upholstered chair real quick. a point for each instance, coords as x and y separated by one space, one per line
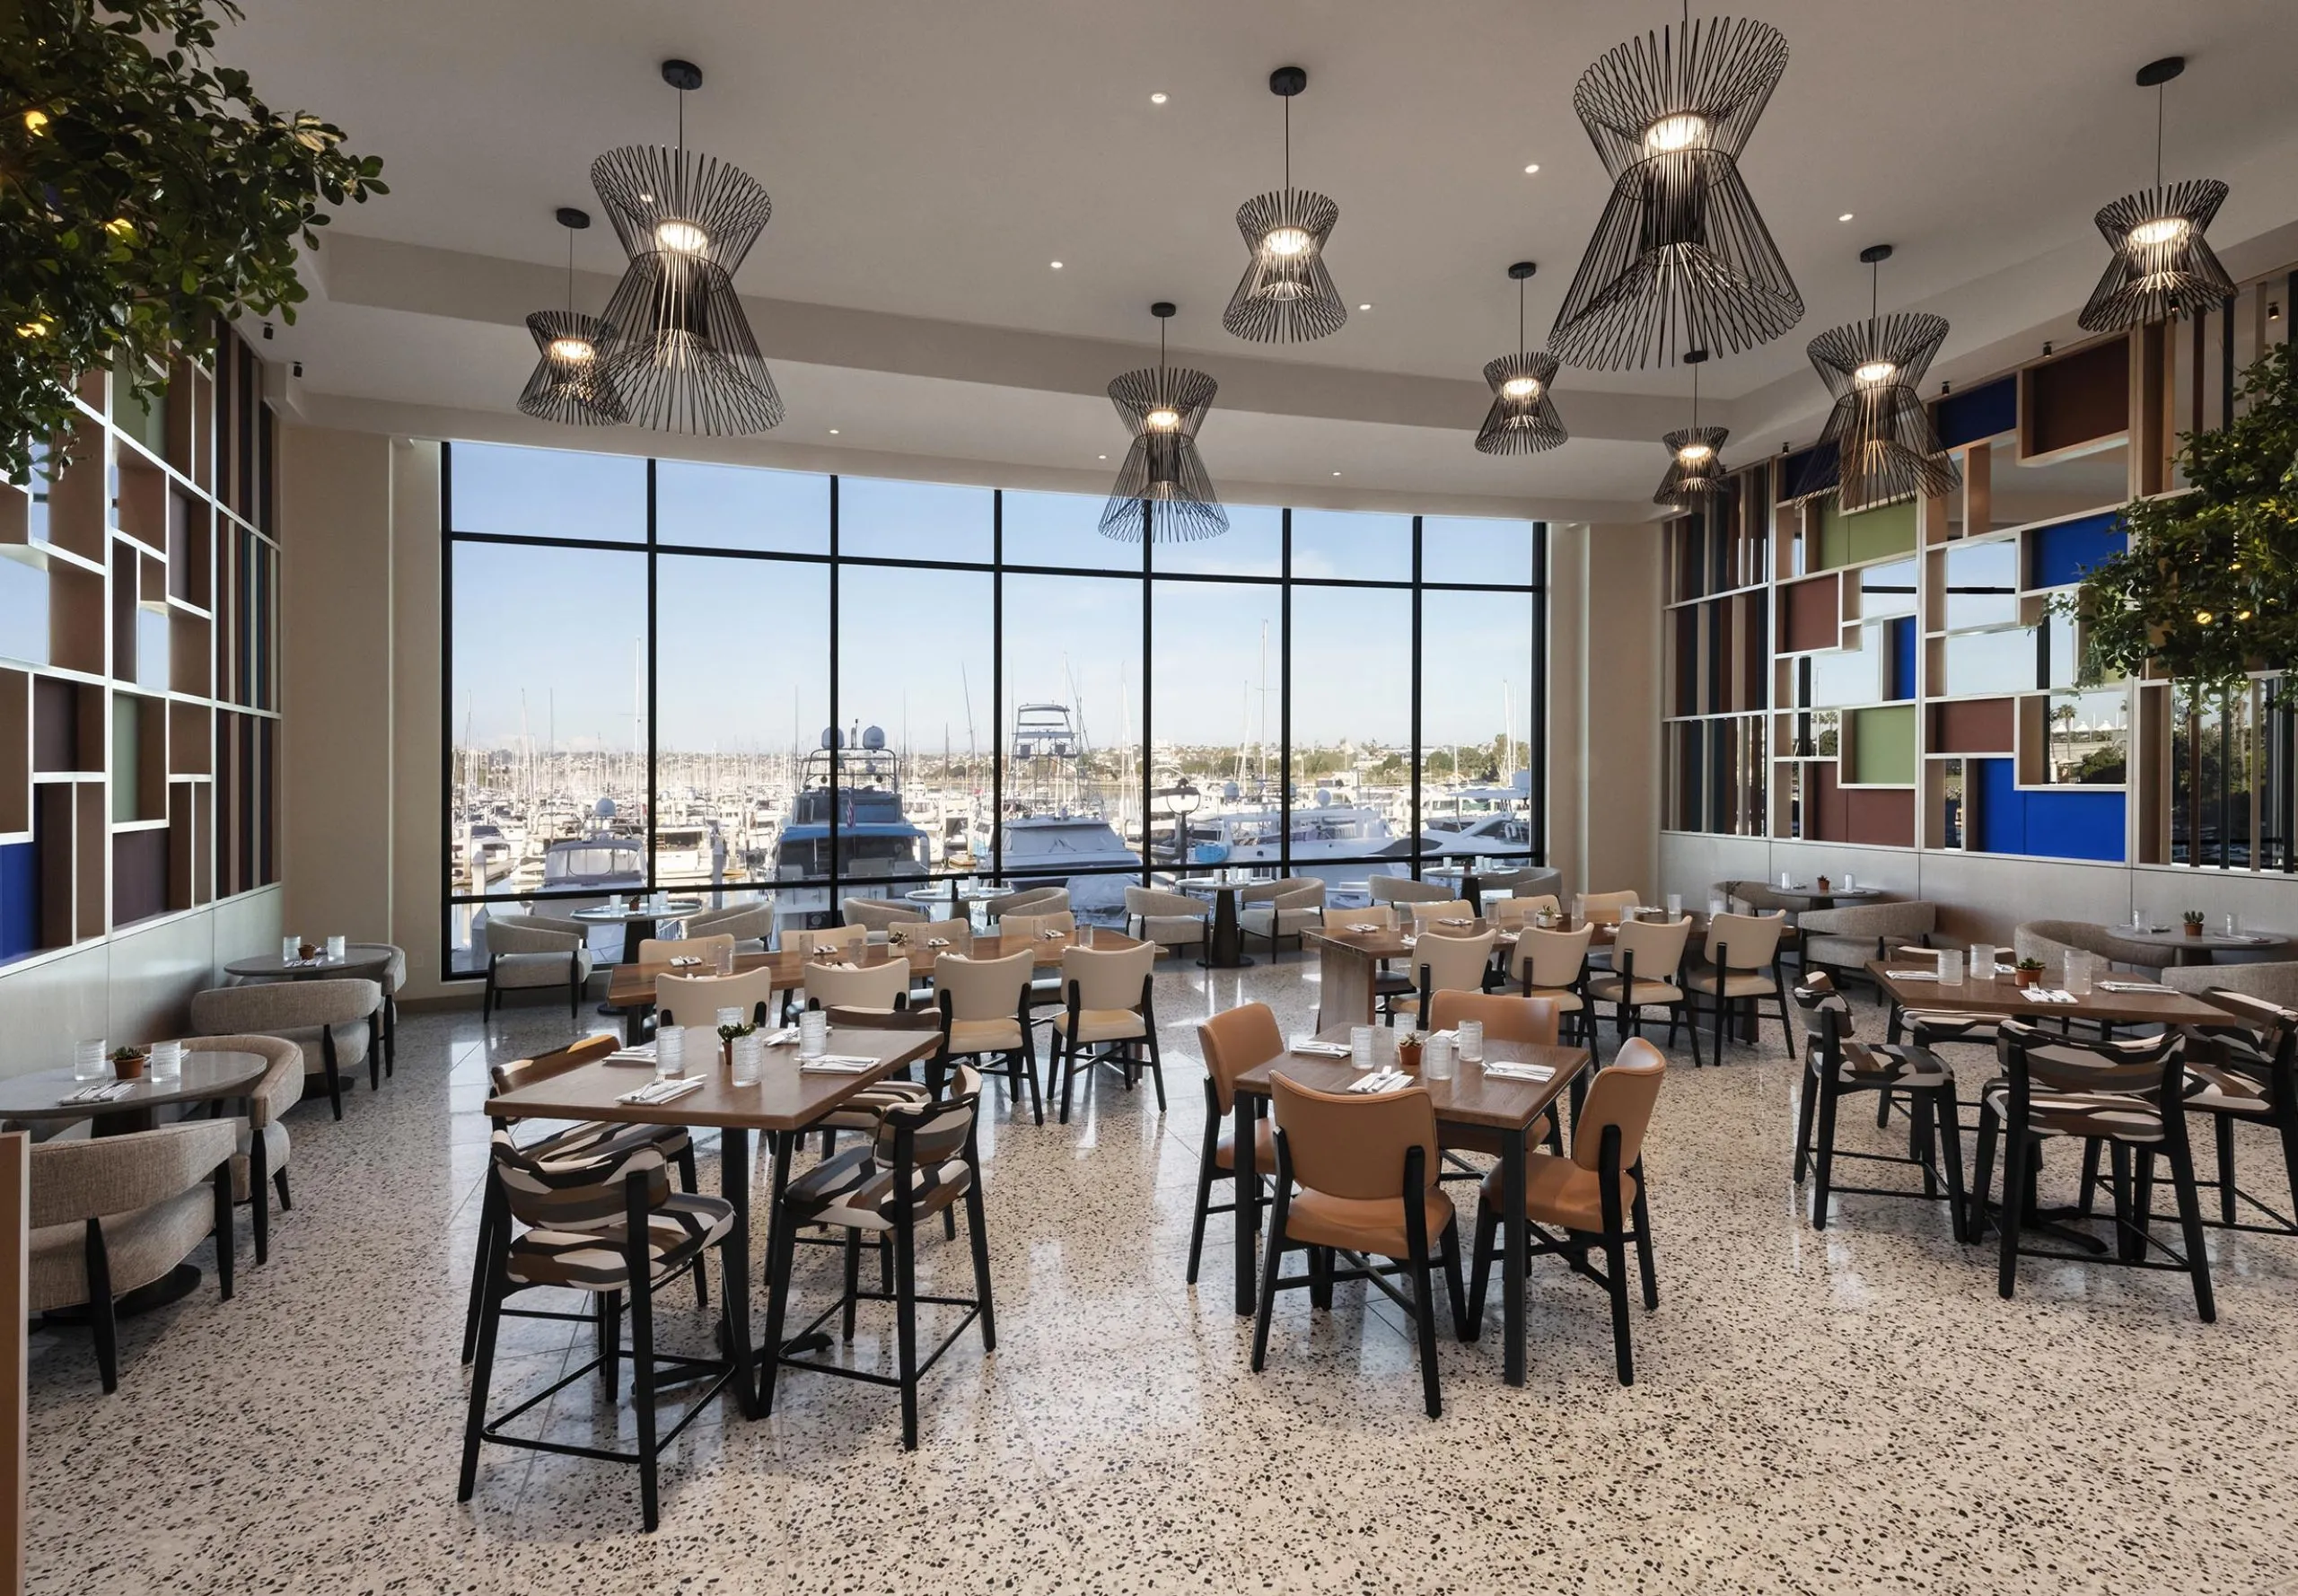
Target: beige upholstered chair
1508 912
696 1000
1286 906
1506 1018
848 940
110 1213
333 1023
1553 965
1843 940
1592 1196
1166 919
1445 909
1446 963
1604 909
260 1166
1743 966
1532 881
750 925
1382 915
880 988
881 914
1233 1041
655 949
1647 972
986 1012
393 982
1403 889
525 951
1036 926
2051 941
1106 1006
2275 982
1366 1170
1028 901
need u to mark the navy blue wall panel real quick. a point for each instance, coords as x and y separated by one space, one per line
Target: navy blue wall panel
19 902
2068 823
1976 413
1902 640
2058 554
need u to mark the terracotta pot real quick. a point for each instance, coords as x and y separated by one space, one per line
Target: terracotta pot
1823 883
2193 929
1407 1053
130 1068
2026 977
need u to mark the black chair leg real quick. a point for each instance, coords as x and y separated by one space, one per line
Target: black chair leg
977 1233
1454 1290
780 1245
1424 1316
1950 1150
1203 1184
1488 1227
492 1287
1615 1274
225 1239
259 1195
2226 1168
1824 1157
2016 1156
1982 1177
853 1283
279 1181
2198 1251
1273 1255
611 1342
1807 1109
1644 1245
906 1329
488 1220
2086 1200
642 1392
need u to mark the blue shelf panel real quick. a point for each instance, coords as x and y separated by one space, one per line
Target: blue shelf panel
1901 633
1976 413
2071 823
2059 554
19 902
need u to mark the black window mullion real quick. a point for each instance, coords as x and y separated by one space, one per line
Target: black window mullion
1536 756
837 748
998 687
1284 695
1415 699
1148 764
654 805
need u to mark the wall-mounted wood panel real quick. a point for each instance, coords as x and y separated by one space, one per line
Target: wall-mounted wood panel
1974 726
2077 398
1811 614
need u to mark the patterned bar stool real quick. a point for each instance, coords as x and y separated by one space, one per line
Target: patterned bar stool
2115 1092
602 1218
2245 1069
922 1159
1837 1065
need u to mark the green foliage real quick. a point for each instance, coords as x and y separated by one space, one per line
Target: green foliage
2208 588
144 190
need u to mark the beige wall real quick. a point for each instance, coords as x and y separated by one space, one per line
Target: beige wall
1604 705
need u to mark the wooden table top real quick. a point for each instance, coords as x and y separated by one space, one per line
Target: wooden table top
1469 1098
205 1075
635 983
2002 996
2175 937
1391 943
356 960
786 1098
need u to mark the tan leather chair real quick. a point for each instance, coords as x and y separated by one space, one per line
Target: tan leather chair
1446 909
1106 1006
696 1000
1647 972
848 940
1232 1041
1554 965
1366 1170
880 988
1743 966
1508 913
1591 1196
985 1006
1531 1020
1403 889
1441 962
657 950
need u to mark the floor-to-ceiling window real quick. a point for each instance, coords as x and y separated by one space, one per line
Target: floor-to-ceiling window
737 683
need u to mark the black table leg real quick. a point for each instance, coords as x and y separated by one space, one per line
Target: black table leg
1224 948
735 1185
1514 1234
1248 1184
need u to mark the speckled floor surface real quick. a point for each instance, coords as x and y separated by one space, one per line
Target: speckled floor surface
1851 1411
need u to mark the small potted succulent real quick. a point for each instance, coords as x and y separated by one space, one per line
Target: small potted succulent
727 1035
127 1062
1408 1050
1823 883
2027 972
1546 918
2193 918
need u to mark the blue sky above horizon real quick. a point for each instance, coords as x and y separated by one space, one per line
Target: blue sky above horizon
743 644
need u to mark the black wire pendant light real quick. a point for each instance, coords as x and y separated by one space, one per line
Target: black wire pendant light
1694 453
1162 489
1523 419
683 358
1681 258
570 382
1886 448
1286 295
2163 264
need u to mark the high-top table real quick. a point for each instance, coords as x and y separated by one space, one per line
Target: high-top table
1489 1102
784 1102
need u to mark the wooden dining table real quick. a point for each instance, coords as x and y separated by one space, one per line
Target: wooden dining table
1911 985
630 988
1472 1098
786 1100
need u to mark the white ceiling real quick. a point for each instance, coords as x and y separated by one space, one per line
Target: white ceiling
927 160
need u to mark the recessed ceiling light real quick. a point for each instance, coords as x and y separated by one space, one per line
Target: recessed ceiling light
1534 167
1336 473
1366 306
1844 217
1157 99
833 432
1056 265
1101 457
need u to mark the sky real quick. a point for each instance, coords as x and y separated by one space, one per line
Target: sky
743 644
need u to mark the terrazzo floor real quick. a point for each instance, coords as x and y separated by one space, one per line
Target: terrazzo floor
1846 1410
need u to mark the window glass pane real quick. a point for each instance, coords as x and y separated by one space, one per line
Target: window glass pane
547 493
1982 584
1331 543
548 722
1475 793
1072 728
1253 545
734 722
1853 675
1887 589
915 667
2088 738
913 520
1217 665
741 507
1352 730
1454 548
1063 530
1991 661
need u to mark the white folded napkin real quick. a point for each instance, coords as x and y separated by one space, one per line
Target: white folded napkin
1448 1034
1519 1072
1366 925
685 961
1390 1079
1912 975
656 1092
1317 1049
2135 986
102 1093
937 942
780 1039
838 1063
2049 995
641 1054
1456 920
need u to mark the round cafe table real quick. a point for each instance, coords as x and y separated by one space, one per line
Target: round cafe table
359 960
1224 943
637 920
207 1077
2185 949
1809 895
959 898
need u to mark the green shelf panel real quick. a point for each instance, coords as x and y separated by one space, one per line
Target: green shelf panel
1869 535
1882 746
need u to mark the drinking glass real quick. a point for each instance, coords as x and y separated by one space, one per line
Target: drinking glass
167 1061
1787 877
2233 923
813 1033
744 1071
1471 1041
289 947
1717 906
1675 905
2077 980
670 1052
1580 908
1951 966
88 1060
1436 1062
729 1018
1360 1045
1850 882
335 945
1982 962
721 959
2137 918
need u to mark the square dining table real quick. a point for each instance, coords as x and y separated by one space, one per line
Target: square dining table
1912 984
1492 1102
785 1101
